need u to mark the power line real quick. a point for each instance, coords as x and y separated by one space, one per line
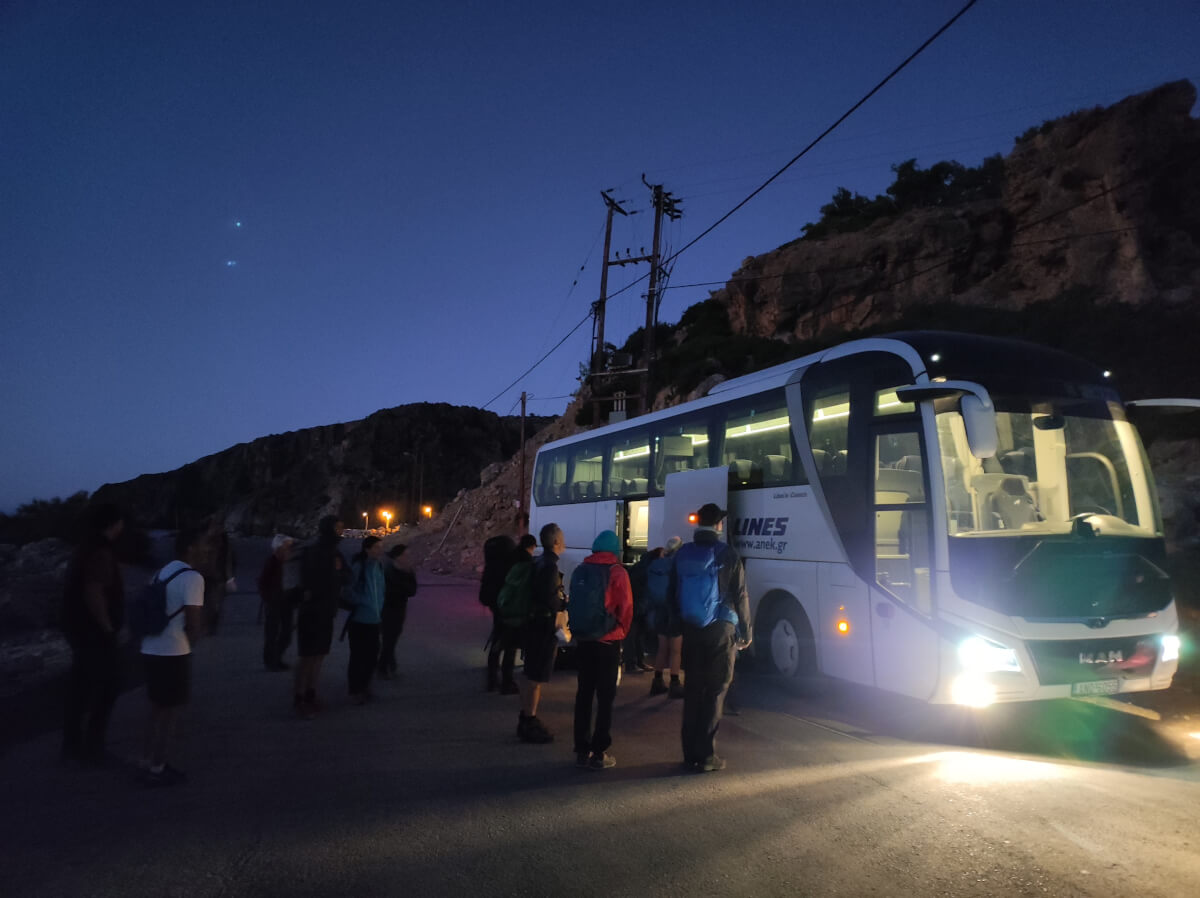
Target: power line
526 373
874 90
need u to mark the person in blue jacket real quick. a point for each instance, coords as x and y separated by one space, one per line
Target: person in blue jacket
367 593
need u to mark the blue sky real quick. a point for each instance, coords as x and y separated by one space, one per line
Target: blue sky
408 190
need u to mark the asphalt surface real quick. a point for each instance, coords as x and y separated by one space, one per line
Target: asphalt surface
426 791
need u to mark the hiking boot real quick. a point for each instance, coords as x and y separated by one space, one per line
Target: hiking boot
581 759
711 764
534 731
676 689
602 761
509 689
658 687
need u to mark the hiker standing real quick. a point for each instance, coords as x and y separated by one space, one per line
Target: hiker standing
167 655
633 649
539 641
601 609
399 585
277 585
219 567
367 593
668 628
510 612
707 591
323 573
93 613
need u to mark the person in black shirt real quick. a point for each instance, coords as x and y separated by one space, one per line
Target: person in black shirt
92 617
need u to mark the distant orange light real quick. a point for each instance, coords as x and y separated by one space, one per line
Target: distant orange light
843 627
427 511
693 518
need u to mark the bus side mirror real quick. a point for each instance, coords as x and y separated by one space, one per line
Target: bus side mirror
980 420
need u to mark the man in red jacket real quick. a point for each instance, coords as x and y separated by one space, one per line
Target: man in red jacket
601 608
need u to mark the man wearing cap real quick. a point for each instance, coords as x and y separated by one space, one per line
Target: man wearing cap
712 634
603 584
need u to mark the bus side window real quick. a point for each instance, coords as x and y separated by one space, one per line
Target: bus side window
679 447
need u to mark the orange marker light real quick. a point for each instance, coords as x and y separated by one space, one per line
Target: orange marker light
843 627
693 518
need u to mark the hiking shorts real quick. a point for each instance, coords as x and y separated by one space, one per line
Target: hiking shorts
541 648
168 679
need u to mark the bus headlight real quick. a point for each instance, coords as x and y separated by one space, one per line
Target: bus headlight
979 655
971 691
1170 647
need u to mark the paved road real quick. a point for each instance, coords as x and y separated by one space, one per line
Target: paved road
830 791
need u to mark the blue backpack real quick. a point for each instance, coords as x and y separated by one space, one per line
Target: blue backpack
590 619
658 577
696 568
148 610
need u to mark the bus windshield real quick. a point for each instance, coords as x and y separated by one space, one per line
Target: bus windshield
1057 461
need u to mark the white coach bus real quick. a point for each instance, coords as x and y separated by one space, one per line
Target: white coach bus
956 518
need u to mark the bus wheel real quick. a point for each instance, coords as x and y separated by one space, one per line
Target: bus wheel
789 641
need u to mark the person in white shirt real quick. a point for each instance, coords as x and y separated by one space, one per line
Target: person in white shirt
167 656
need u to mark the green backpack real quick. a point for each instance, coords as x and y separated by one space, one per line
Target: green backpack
514 599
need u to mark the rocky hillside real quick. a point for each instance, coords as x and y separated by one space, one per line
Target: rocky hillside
395 459
1101 207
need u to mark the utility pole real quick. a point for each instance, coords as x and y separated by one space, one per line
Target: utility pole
664 204
613 206
522 493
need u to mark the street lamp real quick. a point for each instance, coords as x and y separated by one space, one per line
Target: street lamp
366 526
387 520
427 511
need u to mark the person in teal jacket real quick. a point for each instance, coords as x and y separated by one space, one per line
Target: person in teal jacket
367 592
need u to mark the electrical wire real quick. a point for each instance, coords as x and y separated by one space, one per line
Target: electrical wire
530 369
845 115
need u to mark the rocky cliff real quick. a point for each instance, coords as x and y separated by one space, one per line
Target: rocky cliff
395 459
1101 208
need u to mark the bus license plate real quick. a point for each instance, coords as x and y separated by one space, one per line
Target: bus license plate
1096 687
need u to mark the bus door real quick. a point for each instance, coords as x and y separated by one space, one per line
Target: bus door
904 642
686 491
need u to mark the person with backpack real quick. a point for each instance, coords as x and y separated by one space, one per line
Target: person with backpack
659 621
601 611
366 595
174 601
633 649
707 591
539 640
399 585
323 574
510 608
93 613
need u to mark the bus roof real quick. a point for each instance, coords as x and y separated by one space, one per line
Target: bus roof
932 353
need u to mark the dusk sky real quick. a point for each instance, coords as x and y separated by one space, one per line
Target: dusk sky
222 220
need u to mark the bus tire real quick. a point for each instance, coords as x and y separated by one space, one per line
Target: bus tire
787 640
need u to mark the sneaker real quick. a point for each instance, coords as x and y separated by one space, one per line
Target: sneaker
535 732
658 687
581 759
509 689
602 761
676 689
711 765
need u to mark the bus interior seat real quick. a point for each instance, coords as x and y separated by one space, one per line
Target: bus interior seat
578 491
907 484
637 485
989 490
1013 505
777 468
910 463
838 462
744 472
1018 461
